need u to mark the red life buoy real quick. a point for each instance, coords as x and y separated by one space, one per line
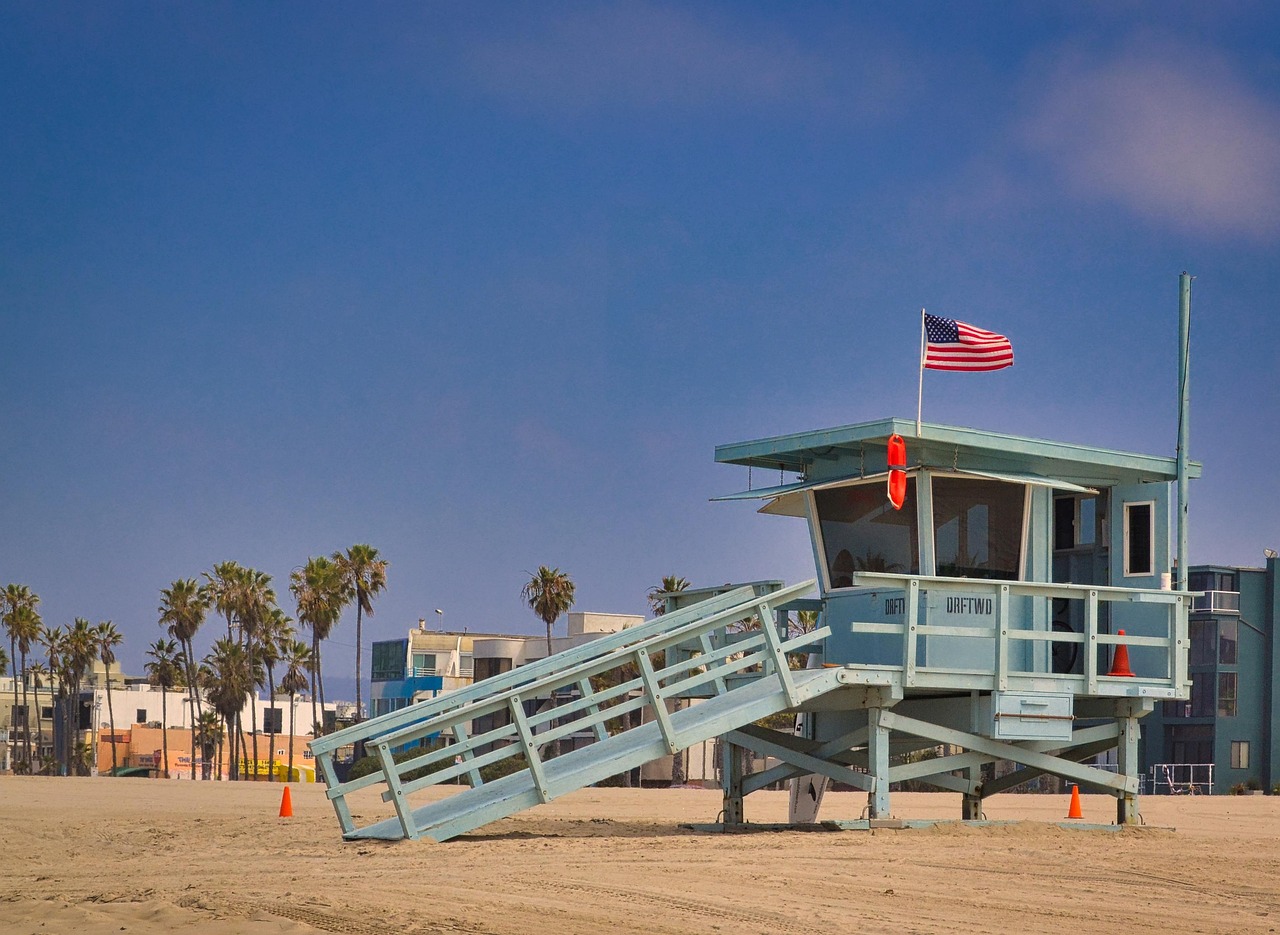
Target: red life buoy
897 471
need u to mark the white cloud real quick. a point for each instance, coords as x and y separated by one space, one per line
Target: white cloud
1172 133
646 55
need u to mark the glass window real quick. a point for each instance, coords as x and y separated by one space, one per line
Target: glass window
1239 754
424 664
861 531
1201 694
388 660
1227 644
140 716
1203 636
1064 523
1191 743
487 668
978 527
1087 528
273 720
1226 694
1139 522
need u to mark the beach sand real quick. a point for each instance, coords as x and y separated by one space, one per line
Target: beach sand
97 856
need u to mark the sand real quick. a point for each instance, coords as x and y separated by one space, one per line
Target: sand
97 856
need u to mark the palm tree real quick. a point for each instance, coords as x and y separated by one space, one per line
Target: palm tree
182 610
163 672
222 590
23 625
321 592
657 595
209 731
108 638
52 638
79 647
36 674
549 594
227 678
275 630
297 662
255 604
366 576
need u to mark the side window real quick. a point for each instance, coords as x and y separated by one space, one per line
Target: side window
1139 535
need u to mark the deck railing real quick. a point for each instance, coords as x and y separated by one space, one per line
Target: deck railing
1010 629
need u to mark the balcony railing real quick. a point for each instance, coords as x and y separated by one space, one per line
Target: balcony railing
1216 602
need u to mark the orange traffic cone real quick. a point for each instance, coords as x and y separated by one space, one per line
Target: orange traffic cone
286 804
1074 810
1120 661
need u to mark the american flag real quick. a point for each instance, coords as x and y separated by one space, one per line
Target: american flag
954 345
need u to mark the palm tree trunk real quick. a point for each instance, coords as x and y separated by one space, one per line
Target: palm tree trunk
253 705
193 695
164 731
292 729
26 714
359 640
111 717
271 753
13 664
39 734
315 657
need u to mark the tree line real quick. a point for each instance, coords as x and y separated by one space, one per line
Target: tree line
261 641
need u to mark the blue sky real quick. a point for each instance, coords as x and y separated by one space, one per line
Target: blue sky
484 285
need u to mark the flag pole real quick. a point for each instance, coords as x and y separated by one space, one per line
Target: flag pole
920 393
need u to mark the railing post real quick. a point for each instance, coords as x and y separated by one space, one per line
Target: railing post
516 707
708 649
654 696
460 735
601 732
1002 638
392 777
776 655
1091 642
909 633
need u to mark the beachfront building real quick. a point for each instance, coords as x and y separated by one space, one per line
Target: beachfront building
1227 734
142 714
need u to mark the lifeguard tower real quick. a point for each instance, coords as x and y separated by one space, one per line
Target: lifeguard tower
982 619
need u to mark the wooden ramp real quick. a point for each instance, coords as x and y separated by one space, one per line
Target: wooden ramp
600 687
491 801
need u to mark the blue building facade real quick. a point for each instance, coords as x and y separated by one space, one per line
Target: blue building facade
1232 719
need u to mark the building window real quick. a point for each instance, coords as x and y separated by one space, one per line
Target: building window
978 527
1226 694
1075 522
1203 636
489 667
1201 696
424 664
861 531
140 716
46 713
1139 536
1239 754
1190 743
273 720
1227 645
388 662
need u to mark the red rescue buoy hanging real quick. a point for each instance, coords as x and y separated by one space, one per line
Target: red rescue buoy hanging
897 471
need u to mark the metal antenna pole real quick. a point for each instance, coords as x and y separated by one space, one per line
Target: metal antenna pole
1184 418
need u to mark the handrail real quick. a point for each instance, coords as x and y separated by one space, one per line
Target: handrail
371 728
1175 643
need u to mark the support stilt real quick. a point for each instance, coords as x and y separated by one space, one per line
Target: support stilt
1127 756
878 764
731 782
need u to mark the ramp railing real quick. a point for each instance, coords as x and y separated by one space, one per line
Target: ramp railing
594 687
